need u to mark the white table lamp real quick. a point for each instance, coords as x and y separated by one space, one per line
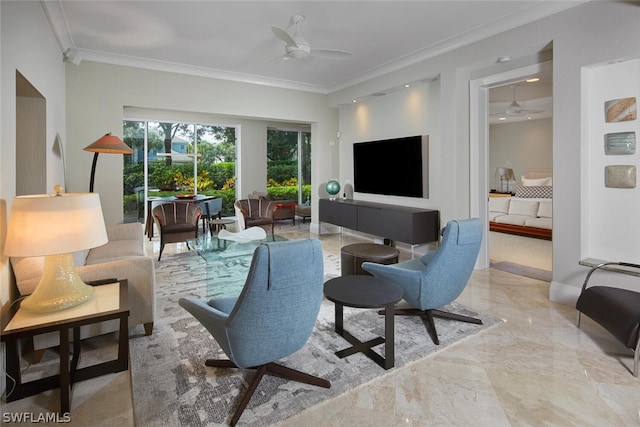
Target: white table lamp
55 226
504 174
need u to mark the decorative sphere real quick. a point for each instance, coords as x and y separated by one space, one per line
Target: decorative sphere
333 187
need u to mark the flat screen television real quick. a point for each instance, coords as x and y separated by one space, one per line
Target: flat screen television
395 167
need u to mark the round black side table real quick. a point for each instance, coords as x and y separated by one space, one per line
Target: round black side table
365 292
352 257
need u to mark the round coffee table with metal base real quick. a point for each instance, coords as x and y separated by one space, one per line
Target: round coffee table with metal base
365 292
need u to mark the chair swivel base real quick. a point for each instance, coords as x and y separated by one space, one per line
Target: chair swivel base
427 318
272 368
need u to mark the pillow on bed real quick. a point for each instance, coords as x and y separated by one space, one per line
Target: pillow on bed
535 182
537 192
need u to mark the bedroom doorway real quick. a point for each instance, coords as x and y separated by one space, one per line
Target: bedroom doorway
514 253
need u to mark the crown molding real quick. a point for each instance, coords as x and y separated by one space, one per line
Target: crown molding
55 13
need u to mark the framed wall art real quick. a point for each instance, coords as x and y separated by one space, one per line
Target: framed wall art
620 110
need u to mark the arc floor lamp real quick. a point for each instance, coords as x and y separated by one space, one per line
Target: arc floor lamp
106 144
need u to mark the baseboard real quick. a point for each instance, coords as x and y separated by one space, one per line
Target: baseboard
563 293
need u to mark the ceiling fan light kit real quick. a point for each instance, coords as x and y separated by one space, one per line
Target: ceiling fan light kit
297 46
515 109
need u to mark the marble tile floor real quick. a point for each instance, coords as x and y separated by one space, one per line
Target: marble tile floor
537 368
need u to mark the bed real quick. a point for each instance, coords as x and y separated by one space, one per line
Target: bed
528 212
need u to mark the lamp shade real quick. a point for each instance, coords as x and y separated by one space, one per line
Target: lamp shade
109 144
45 224
505 173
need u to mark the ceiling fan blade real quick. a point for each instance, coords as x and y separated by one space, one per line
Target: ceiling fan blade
278 60
284 36
331 53
531 111
514 109
520 113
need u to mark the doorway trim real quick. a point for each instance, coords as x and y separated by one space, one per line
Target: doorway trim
479 140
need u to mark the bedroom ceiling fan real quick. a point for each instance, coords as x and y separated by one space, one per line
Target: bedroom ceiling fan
297 46
515 109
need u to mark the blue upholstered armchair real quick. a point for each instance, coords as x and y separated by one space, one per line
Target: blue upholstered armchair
274 315
439 277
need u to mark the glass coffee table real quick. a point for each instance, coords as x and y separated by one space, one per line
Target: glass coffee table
227 263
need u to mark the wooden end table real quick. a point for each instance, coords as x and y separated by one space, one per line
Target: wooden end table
287 210
109 302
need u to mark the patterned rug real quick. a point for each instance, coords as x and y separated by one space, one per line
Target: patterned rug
172 386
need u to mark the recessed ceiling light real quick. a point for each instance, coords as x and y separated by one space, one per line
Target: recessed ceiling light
533 80
503 59
502 118
354 100
407 85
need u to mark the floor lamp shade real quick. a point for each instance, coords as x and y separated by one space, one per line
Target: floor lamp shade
107 144
55 226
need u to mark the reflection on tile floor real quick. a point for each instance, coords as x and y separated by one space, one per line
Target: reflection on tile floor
537 368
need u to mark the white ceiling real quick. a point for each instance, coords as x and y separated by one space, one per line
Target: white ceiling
233 39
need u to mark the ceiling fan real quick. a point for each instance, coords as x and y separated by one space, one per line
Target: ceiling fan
514 109
297 47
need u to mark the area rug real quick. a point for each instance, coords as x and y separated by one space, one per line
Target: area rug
522 270
172 386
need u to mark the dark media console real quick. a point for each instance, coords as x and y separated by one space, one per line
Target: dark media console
401 223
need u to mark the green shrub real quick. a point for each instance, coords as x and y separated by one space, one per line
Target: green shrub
289 192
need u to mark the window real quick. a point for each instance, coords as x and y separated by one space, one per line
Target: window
171 158
289 164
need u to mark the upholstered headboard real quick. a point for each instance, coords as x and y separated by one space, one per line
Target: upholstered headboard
536 177
538 173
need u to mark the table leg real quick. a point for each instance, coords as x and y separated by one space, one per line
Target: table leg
76 356
123 345
389 336
339 320
13 369
65 395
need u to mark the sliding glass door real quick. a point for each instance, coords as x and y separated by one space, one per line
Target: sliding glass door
289 164
171 158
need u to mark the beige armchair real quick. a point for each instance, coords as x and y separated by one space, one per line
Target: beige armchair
176 222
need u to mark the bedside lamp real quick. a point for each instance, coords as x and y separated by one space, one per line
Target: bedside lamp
55 226
504 174
107 144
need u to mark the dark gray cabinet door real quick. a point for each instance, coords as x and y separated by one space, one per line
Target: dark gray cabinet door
401 223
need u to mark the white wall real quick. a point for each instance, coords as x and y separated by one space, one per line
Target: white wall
413 111
580 38
28 46
97 94
522 145
610 228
